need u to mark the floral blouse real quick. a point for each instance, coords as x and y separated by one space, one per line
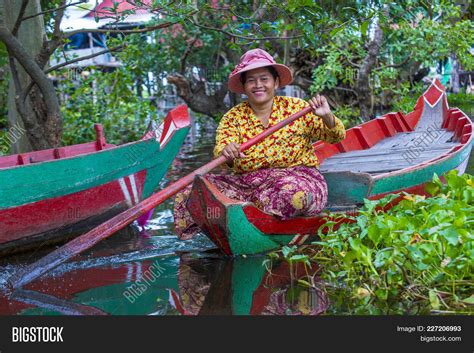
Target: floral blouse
287 147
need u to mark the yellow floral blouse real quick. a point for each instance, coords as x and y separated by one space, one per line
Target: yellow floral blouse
288 147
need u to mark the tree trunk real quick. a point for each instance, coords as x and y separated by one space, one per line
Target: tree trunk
456 86
363 82
38 114
195 96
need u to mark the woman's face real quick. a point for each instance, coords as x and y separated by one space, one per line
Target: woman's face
260 86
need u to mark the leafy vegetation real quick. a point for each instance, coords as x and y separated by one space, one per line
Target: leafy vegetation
105 98
416 258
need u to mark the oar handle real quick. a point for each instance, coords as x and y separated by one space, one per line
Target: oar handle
106 229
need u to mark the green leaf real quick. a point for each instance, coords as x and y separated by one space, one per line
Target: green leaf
363 28
432 188
469 300
304 283
299 258
382 294
434 300
286 251
451 235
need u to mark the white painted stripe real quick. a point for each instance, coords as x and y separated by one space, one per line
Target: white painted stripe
159 131
303 239
435 103
129 272
138 266
295 239
131 177
171 299
438 88
125 192
170 131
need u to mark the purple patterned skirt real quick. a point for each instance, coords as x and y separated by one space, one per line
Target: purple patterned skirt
283 192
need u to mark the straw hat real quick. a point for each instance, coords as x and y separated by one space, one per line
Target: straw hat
254 59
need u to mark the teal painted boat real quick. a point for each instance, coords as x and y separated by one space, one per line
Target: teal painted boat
50 195
389 154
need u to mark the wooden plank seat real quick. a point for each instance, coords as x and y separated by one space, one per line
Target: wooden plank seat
400 151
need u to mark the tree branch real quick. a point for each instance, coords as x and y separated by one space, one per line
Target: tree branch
186 53
58 66
395 65
196 97
31 124
62 7
353 64
17 50
122 31
346 90
16 27
240 36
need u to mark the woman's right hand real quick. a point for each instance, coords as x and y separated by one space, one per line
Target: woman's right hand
232 151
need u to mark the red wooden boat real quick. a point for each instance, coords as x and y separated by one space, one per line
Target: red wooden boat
389 154
52 195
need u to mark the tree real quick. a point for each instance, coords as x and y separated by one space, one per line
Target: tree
34 108
364 55
33 101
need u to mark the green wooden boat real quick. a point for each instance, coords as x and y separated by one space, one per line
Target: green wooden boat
51 195
390 154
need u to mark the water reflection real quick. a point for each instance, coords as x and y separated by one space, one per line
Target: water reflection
191 283
243 286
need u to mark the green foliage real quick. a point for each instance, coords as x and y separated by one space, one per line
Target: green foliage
415 258
406 96
463 101
108 99
416 36
418 256
333 36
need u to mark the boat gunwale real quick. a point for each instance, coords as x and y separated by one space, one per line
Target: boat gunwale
108 147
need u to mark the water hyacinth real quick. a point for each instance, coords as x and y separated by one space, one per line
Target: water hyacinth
417 257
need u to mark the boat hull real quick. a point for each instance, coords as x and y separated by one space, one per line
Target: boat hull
54 200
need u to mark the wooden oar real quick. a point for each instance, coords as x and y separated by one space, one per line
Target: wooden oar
106 229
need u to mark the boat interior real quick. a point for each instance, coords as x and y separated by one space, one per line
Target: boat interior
57 153
405 149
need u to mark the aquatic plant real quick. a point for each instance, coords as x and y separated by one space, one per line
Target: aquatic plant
417 257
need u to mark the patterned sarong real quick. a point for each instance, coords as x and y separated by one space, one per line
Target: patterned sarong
283 192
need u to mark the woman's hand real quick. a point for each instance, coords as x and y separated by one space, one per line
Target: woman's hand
321 108
232 151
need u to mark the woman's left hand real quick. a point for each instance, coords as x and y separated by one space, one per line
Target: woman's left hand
321 108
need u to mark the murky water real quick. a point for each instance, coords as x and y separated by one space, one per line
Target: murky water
151 272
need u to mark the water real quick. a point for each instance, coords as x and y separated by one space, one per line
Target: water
151 272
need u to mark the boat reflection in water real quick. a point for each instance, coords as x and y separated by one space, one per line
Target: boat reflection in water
244 286
184 283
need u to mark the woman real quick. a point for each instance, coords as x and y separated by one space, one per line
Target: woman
280 173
